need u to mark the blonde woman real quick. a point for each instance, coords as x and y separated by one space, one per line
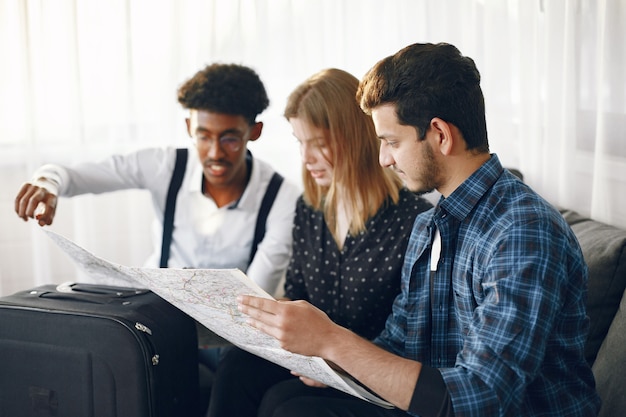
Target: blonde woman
350 231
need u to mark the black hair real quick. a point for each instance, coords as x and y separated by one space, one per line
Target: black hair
424 81
225 88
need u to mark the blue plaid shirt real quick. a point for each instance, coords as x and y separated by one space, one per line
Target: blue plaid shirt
503 317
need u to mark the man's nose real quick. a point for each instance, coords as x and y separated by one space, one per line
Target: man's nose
384 156
214 148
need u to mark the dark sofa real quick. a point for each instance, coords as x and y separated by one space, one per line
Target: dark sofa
604 249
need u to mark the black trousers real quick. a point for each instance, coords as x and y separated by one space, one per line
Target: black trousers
248 386
240 383
294 399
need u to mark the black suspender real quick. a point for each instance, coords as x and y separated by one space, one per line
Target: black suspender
170 206
266 205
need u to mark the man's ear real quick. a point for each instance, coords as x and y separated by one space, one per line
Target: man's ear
188 123
255 131
443 131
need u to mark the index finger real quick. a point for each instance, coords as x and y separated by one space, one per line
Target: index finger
259 303
25 189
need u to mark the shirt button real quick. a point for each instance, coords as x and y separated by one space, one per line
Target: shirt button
440 307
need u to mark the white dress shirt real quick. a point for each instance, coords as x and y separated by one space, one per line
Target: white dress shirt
204 236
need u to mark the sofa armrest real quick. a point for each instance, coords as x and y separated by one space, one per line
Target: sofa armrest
608 369
604 249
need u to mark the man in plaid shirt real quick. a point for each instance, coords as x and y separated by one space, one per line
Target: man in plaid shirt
491 319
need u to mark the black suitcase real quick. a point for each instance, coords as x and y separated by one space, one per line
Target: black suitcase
84 350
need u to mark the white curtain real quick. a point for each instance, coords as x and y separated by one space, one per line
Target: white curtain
81 79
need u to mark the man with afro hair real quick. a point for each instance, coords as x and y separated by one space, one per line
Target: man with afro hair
221 190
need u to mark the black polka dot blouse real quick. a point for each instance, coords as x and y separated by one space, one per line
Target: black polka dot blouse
357 285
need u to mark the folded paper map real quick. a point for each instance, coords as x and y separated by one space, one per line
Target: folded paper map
210 297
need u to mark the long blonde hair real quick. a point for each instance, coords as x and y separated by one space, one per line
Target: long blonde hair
327 100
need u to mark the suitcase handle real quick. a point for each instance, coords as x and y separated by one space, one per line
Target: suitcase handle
119 292
91 293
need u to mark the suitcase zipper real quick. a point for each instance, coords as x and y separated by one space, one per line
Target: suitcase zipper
145 329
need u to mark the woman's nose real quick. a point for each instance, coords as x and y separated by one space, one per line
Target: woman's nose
306 153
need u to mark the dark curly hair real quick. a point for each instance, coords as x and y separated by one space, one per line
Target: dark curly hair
225 88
